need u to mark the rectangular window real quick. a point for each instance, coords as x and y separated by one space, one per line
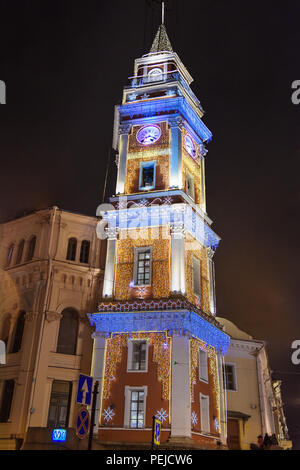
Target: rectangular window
204 413
137 400
203 366
139 352
196 277
190 185
230 377
142 267
147 175
59 407
6 401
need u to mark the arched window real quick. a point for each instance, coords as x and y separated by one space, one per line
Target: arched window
68 331
72 246
20 251
10 254
18 333
155 75
31 248
84 251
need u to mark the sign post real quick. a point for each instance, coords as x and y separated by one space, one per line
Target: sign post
156 430
83 423
95 393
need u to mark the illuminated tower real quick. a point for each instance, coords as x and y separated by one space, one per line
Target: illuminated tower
157 346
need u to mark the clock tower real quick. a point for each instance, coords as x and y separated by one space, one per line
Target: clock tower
158 348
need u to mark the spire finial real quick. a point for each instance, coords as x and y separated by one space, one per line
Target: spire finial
162 12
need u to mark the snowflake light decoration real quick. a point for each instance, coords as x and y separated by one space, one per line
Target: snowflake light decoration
141 292
216 423
194 418
108 414
162 415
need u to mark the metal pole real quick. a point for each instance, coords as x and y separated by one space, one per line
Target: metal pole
95 393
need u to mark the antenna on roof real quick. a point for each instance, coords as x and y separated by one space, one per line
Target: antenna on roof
162 12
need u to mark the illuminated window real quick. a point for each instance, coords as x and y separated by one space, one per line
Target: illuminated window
230 377
71 251
142 266
59 407
137 402
203 366
84 251
147 175
204 413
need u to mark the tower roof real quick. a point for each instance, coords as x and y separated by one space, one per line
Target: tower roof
161 41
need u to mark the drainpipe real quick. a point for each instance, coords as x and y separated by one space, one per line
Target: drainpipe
44 309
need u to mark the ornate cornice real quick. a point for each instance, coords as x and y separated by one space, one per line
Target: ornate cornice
31 316
210 253
111 233
124 129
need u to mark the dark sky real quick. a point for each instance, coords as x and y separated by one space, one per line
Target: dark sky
65 63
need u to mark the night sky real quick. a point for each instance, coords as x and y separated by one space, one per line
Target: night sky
65 63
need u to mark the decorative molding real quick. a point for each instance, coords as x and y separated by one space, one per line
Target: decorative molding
111 233
124 129
31 316
176 122
210 253
53 316
177 229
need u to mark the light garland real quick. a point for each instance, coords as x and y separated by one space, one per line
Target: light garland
161 356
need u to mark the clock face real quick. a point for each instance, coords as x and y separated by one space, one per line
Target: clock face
148 135
189 145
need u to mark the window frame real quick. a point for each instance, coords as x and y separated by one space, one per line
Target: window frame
198 294
142 166
61 345
205 377
3 399
234 373
202 424
67 420
137 251
85 246
130 355
127 392
68 248
20 251
10 254
190 177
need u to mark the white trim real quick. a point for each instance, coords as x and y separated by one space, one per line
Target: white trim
206 399
127 393
233 364
129 355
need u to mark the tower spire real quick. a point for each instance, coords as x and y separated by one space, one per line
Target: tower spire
161 41
162 12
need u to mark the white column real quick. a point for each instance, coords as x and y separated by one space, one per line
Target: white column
108 284
181 391
123 144
97 371
223 400
178 261
176 153
202 169
211 276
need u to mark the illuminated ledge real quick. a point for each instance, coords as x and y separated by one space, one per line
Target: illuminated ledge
182 322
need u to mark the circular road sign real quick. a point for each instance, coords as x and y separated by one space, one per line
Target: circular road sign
82 423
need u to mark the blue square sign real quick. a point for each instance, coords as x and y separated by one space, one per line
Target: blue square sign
84 390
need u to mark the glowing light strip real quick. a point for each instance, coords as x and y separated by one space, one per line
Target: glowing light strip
179 322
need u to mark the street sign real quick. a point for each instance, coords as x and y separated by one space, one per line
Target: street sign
59 435
84 390
82 423
156 431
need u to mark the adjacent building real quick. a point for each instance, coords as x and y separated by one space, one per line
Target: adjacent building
254 404
51 275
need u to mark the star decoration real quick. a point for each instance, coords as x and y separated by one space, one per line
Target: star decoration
162 415
108 414
194 418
